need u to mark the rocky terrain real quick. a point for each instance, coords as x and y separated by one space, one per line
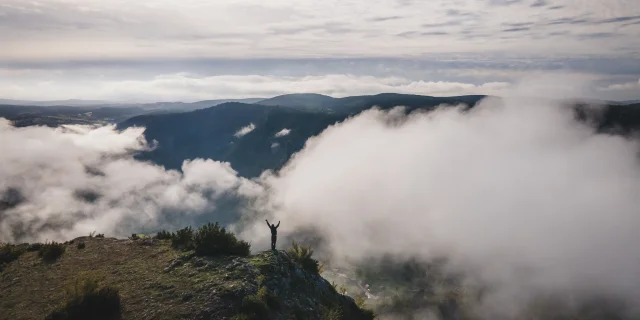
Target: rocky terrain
156 281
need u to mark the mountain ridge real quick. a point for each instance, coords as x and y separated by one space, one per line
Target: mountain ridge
355 104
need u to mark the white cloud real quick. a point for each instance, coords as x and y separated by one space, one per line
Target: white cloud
76 180
78 29
283 132
121 33
509 186
245 130
190 87
622 86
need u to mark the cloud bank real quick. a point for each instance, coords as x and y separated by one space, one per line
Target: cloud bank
515 192
181 86
80 30
62 183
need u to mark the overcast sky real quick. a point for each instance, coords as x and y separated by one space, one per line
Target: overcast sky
196 49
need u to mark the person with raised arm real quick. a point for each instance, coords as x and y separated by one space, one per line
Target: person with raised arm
274 233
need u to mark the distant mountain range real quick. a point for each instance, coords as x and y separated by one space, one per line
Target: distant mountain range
55 113
355 104
168 105
211 132
281 125
301 101
50 103
58 115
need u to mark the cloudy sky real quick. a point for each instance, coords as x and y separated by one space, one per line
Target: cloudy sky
195 49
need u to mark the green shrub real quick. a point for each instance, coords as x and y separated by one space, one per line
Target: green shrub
86 299
93 234
332 314
360 301
269 298
299 313
183 239
50 252
212 240
34 247
368 314
164 235
9 253
81 245
257 306
302 256
254 307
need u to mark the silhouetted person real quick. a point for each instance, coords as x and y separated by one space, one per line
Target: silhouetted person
274 233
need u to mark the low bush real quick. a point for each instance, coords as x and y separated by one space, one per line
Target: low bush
50 252
164 235
86 299
9 253
81 245
254 307
368 313
183 239
302 256
34 247
360 301
212 240
332 314
269 298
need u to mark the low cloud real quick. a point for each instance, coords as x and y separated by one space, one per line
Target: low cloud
245 130
56 184
283 132
515 192
188 87
622 86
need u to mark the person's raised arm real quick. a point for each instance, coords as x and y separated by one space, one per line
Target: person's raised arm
267 223
278 225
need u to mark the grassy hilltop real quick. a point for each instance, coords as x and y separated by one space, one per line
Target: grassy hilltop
192 274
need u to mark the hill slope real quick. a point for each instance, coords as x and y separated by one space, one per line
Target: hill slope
303 101
57 115
210 133
158 282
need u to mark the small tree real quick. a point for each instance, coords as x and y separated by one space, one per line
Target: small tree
302 256
50 252
86 299
9 253
183 239
211 240
164 235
